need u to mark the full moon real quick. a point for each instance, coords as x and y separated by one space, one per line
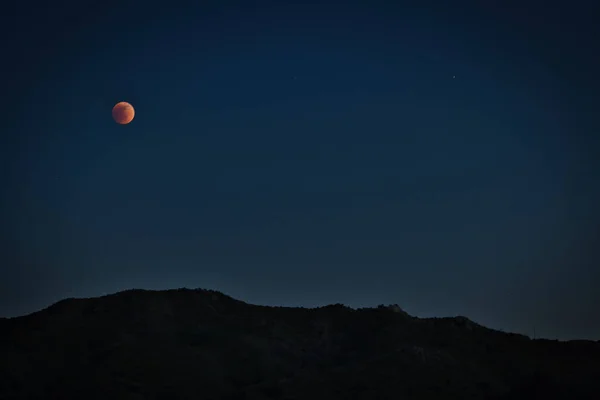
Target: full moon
123 113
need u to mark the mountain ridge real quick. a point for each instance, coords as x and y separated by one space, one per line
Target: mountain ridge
200 343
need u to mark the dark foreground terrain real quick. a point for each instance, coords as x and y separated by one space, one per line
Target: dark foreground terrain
199 344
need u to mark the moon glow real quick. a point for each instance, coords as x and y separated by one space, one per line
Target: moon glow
123 113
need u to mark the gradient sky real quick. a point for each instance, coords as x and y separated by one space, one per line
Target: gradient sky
442 156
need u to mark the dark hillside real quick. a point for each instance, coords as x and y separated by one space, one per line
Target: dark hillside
201 344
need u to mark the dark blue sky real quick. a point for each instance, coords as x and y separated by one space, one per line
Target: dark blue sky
440 156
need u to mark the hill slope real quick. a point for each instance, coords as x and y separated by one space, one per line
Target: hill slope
201 344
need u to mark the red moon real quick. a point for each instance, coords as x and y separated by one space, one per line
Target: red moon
123 113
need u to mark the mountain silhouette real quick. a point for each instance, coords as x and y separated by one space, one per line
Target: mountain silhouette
202 344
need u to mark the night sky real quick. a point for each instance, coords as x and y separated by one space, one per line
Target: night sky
443 156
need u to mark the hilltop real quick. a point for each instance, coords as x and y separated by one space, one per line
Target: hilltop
203 344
